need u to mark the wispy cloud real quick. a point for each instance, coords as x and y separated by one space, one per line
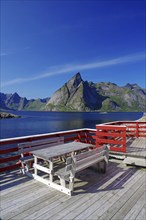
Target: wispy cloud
15 51
3 54
57 70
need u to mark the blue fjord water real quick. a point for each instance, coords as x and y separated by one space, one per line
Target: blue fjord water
37 122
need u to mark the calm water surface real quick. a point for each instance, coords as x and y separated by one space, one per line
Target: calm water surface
33 122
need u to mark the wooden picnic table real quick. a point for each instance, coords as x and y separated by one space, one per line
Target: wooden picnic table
48 155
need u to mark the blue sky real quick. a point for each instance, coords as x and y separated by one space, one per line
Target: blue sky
44 43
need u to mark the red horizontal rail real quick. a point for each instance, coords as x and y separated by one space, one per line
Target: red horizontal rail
110 134
7 159
108 127
118 149
142 135
131 126
108 141
9 150
10 167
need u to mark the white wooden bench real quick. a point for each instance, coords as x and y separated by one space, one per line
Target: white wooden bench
27 159
76 163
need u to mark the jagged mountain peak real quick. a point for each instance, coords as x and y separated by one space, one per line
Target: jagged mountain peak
131 86
77 76
14 102
75 80
15 94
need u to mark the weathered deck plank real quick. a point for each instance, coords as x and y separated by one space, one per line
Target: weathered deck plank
79 199
118 194
135 152
99 193
136 146
130 202
98 206
135 209
142 214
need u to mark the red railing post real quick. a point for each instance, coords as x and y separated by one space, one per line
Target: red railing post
86 137
79 136
137 130
124 142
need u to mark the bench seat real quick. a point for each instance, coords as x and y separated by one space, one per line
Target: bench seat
97 157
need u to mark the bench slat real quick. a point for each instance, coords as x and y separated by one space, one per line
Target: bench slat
89 153
35 145
26 161
89 159
41 146
38 142
27 158
89 163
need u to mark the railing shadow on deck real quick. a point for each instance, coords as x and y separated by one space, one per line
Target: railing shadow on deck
98 185
12 179
129 141
94 182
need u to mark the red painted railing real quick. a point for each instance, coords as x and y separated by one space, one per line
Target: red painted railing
115 133
9 156
133 128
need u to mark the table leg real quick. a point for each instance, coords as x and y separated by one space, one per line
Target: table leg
51 168
35 162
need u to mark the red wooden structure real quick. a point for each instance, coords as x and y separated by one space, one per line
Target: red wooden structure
115 133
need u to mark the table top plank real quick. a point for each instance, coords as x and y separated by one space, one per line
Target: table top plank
60 149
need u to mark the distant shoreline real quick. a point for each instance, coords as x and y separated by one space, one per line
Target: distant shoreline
4 115
143 118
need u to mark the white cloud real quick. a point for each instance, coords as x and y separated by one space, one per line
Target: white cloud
57 70
3 54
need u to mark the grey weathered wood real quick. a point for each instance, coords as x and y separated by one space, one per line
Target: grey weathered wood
78 202
100 202
26 158
60 150
126 207
142 214
117 205
98 196
26 147
34 145
82 161
136 161
135 210
135 152
48 155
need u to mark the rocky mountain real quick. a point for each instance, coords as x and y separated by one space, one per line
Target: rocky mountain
15 102
79 95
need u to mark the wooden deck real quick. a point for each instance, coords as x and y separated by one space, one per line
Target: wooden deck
136 147
135 152
118 194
